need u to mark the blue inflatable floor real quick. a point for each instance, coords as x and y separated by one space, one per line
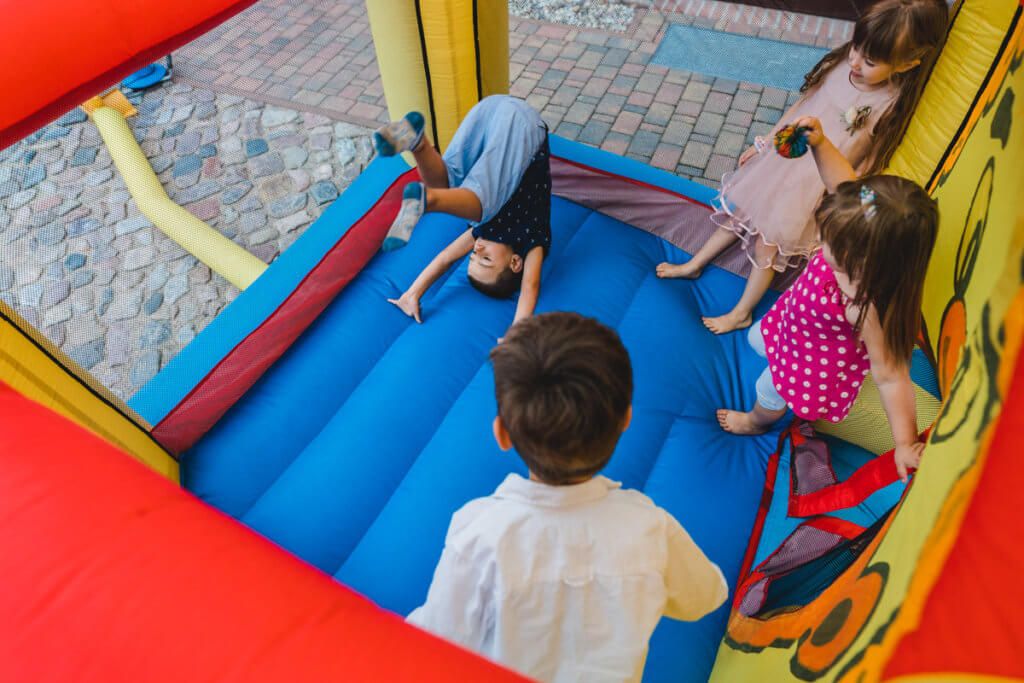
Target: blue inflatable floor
356 447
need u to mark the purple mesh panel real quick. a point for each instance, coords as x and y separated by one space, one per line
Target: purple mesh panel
812 467
802 546
681 222
753 599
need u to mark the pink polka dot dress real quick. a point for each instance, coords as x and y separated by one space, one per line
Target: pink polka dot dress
816 357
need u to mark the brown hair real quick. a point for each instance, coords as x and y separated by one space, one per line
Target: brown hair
564 384
504 286
883 245
894 32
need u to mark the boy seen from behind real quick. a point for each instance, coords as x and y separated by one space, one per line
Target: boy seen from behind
563 576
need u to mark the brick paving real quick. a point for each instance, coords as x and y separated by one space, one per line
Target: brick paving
597 87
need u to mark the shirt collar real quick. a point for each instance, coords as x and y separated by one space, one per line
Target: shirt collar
518 488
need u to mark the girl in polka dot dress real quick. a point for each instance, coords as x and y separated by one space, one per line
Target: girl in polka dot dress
855 309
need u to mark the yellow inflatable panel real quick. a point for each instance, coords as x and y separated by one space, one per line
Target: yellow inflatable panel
31 365
978 30
440 57
224 257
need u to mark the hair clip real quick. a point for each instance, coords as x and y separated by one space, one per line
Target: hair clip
867 200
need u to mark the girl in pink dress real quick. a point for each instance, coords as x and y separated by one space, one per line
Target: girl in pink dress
856 308
864 93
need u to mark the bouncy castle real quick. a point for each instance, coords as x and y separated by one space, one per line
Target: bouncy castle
272 503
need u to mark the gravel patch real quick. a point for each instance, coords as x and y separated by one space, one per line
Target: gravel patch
601 14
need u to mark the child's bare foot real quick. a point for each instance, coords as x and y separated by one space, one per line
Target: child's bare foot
687 271
728 322
735 422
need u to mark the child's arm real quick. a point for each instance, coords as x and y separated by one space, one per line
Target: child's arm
893 381
409 302
834 168
529 290
457 602
694 584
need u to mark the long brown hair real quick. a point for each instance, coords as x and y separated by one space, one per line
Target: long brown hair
894 32
881 231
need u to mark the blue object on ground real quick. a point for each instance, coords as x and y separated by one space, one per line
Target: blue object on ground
147 77
736 57
311 459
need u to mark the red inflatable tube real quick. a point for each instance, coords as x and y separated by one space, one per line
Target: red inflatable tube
112 573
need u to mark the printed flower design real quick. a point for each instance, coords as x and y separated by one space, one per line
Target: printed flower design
854 118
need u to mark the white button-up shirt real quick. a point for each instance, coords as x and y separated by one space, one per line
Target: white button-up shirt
566 583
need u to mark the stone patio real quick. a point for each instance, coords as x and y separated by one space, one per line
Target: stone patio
267 121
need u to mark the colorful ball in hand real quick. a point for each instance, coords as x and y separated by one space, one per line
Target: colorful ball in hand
791 142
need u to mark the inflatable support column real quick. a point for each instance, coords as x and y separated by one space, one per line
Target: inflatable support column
440 57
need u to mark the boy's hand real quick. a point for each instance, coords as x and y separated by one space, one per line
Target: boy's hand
907 457
813 131
409 304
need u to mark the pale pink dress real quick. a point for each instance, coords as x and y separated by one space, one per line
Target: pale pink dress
817 358
772 198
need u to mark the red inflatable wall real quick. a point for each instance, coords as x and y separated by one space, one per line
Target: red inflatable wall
112 573
58 53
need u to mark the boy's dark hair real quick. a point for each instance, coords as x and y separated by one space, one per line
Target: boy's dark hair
504 286
884 247
564 384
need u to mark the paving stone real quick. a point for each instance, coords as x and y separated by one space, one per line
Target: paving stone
54 133
161 163
125 305
235 192
718 103
263 236
157 277
594 132
57 314
207 151
274 116
20 199
186 165
145 368
252 221
82 226
649 83
155 333
293 222
266 165
773 98
659 114
696 91
74 116
254 148
323 192
55 292
6 277
182 113
730 144
88 355
177 286
188 143
300 179
29 295
130 225
579 113
51 234
202 190
725 85
205 210
709 124
175 130
34 174
767 115
696 154
345 150
294 157
139 257
644 143
81 278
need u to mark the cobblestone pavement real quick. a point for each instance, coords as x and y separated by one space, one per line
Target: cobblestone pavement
595 86
80 262
267 121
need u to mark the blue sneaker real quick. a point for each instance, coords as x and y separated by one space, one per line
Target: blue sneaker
399 136
414 203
